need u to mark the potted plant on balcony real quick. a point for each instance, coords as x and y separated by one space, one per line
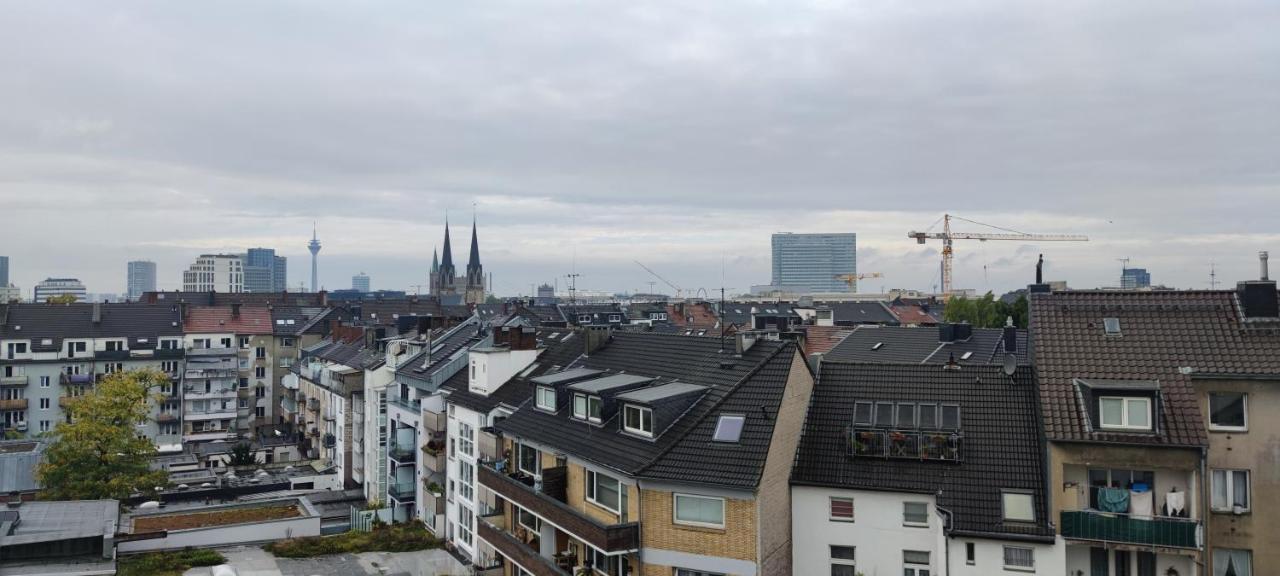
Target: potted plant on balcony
435 489
432 447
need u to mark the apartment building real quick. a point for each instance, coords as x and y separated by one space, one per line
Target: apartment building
329 384
1127 472
922 469
642 453
59 288
293 328
244 332
215 273
51 353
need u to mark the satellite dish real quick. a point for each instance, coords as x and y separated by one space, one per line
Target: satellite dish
1010 364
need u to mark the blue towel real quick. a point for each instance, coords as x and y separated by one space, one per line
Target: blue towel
1113 500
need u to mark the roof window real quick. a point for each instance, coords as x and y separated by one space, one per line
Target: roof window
729 428
877 345
966 355
1111 326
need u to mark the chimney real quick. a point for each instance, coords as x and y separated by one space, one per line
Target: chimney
946 332
235 309
1258 298
963 331
1039 287
522 338
743 341
595 337
97 312
1010 336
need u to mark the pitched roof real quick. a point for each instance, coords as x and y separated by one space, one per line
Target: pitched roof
1001 447
750 382
914 314
1161 333
921 345
516 391
821 339
853 313
218 319
444 345
292 320
55 322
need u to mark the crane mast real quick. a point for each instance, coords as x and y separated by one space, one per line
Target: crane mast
947 236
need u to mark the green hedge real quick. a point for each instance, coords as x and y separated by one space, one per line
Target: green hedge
405 537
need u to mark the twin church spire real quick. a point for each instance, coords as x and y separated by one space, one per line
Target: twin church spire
446 284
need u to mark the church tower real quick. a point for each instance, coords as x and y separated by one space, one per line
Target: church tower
444 277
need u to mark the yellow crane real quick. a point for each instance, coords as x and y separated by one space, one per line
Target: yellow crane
947 236
852 279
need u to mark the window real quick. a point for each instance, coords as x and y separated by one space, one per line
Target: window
260 372
915 563
1019 557
602 490
44 381
529 460
906 416
688 572
699 510
261 412
915 513
467 480
615 317
547 398
586 407
1228 411
950 417
862 413
260 352
729 428
286 342
466 439
464 525
637 420
226 342
44 403
1018 507
884 414
115 346
528 520
260 391
44 425
244 342
1118 412
928 416
1227 561
1111 326
842 509
584 318
1230 490
244 402
970 554
74 348
842 561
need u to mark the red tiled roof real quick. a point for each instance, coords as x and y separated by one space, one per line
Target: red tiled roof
215 319
697 315
1164 336
908 314
821 339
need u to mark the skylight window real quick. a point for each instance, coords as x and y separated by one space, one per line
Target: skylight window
1111 326
966 355
729 428
877 345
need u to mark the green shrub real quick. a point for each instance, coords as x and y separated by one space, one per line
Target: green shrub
170 563
405 537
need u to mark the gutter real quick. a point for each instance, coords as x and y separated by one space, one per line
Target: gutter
946 534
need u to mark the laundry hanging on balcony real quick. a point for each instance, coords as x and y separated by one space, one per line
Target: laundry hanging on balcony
1113 500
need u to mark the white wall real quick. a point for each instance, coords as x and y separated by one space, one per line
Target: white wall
989 558
491 368
1077 560
307 525
477 421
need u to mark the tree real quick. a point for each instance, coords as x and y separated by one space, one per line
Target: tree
62 299
987 312
99 455
242 455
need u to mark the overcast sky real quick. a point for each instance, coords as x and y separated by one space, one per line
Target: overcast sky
680 134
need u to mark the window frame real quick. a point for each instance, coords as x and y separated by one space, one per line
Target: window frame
1229 486
721 420
1244 400
1004 506
911 523
1004 558
1124 413
591 494
871 413
834 561
537 459
641 412
675 511
831 515
538 398
912 568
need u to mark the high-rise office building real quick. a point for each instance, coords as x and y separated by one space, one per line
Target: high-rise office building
264 271
360 282
812 262
4 271
1134 278
215 273
142 278
53 287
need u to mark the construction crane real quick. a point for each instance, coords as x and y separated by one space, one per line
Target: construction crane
679 290
852 279
947 236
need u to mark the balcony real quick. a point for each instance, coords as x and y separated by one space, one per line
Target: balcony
220 414
403 454
1158 531
15 404
905 444
433 455
414 406
208 435
169 353
111 354
403 491
75 379
313 404
288 405
609 538
15 380
514 550
65 401
199 393
167 417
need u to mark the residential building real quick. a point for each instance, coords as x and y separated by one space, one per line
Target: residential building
56 538
1127 443
961 344
10 293
236 337
814 262
58 287
215 273
922 469
450 288
360 282
141 278
264 271
293 328
330 396
50 354
643 453
1135 278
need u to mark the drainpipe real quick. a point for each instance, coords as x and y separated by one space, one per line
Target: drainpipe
1203 563
946 537
640 512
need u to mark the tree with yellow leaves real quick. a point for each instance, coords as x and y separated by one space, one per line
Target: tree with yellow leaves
99 454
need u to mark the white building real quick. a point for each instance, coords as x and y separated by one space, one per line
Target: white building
52 287
215 273
10 293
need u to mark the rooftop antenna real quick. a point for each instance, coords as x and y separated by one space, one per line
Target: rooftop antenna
722 324
1213 276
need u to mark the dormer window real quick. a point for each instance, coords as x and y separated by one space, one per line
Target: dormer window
114 346
1133 413
615 317
584 318
586 408
637 420
547 398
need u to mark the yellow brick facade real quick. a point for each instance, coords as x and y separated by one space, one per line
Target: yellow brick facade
659 530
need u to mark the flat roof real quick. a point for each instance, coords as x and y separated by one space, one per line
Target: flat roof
62 520
566 375
655 393
610 382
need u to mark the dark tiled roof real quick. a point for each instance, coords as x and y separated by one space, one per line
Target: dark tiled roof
1002 446
226 298
1160 333
291 320
446 345
57 321
739 313
920 345
853 313
384 312
750 383
562 349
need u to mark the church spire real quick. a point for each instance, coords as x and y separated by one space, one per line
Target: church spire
435 261
474 261
448 250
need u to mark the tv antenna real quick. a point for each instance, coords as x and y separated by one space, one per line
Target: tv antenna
1213 276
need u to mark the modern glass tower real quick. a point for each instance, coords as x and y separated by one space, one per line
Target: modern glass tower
812 262
142 278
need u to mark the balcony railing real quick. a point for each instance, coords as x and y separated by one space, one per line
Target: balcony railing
518 552
14 404
15 380
402 453
414 405
313 404
75 379
610 538
111 354
908 444
1162 531
403 491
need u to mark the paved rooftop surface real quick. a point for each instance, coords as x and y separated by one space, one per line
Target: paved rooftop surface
254 561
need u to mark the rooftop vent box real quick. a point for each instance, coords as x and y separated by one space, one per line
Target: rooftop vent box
1259 299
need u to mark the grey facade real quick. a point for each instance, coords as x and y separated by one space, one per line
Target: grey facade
264 271
142 278
4 271
360 282
812 262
